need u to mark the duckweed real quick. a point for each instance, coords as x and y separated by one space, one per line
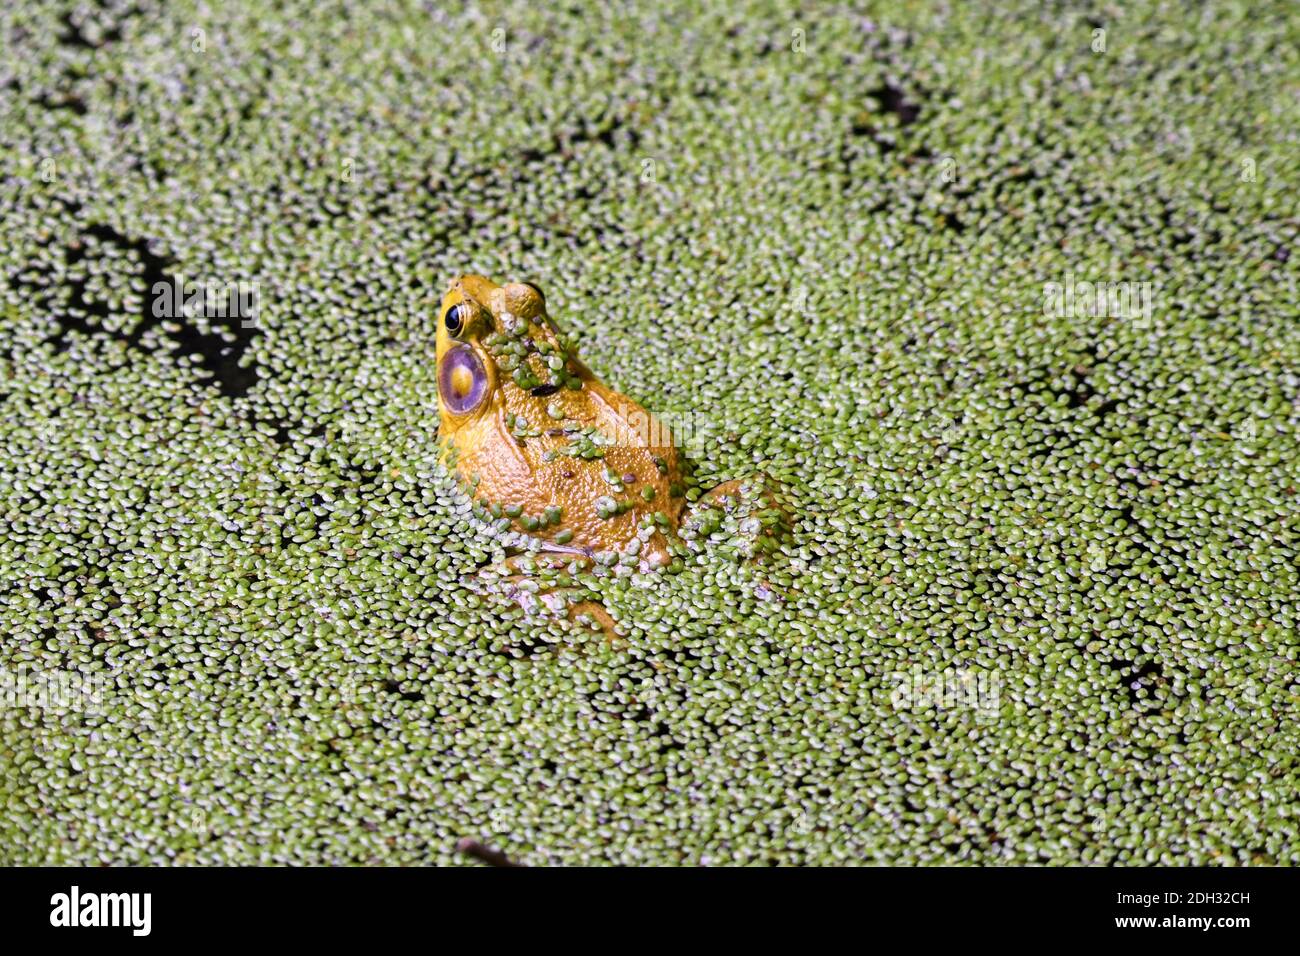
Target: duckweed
1030 592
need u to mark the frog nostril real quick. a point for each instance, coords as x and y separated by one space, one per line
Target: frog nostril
541 391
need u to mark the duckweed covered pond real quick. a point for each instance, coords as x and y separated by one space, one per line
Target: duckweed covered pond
1039 603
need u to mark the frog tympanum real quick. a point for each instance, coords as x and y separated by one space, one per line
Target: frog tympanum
545 448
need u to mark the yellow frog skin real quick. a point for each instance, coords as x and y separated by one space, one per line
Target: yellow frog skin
543 446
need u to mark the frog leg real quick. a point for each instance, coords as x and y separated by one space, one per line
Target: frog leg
745 517
544 583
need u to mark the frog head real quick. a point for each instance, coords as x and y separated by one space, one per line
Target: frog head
544 447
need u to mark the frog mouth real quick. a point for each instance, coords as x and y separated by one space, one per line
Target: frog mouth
462 380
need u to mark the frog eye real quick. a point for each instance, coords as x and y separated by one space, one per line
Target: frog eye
462 380
541 295
454 318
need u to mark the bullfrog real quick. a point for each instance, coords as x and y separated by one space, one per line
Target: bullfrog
547 450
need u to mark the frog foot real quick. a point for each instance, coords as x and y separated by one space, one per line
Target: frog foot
746 518
546 584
